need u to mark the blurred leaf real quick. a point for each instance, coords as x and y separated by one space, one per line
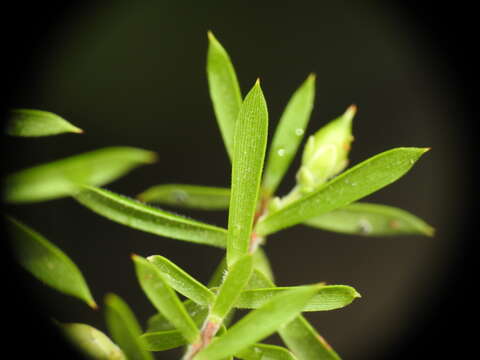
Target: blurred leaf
139 216
164 298
34 123
288 135
224 90
328 297
259 323
47 262
355 183
261 263
163 340
264 351
124 328
91 342
371 219
198 313
249 152
326 152
182 282
218 274
188 196
259 280
63 177
305 343
235 280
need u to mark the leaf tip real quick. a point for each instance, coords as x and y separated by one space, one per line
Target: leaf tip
210 35
93 304
351 110
135 257
77 130
429 231
426 149
151 157
312 77
257 83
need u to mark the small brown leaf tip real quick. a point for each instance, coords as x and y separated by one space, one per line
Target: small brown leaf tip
353 108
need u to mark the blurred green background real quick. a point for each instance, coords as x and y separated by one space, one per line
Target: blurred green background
133 73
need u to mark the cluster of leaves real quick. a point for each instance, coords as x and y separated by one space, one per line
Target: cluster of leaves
324 197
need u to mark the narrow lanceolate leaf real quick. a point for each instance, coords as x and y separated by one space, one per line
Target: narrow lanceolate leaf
224 90
259 323
329 297
298 334
124 328
139 216
47 262
264 351
188 196
249 152
288 135
34 123
235 280
355 183
62 177
164 298
92 343
163 340
305 343
182 282
372 220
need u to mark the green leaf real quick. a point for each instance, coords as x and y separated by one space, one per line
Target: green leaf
163 340
164 298
355 183
305 343
288 135
259 323
34 123
329 297
91 342
262 264
235 280
188 196
124 328
249 152
298 334
63 177
139 216
183 282
224 90
198 313
372 220
47 262
259 280
264 351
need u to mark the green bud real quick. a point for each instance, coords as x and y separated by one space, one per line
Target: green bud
92 342
326 152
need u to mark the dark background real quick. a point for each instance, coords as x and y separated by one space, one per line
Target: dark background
133 73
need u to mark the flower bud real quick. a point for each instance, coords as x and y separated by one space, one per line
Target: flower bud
326 152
